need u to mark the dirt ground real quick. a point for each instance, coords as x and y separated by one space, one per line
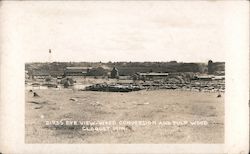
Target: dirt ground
176 116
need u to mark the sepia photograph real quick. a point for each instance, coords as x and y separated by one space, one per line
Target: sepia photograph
124 76
125 72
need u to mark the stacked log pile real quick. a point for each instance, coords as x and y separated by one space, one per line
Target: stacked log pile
193 86
114 87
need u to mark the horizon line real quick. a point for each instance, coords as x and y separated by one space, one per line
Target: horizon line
120 61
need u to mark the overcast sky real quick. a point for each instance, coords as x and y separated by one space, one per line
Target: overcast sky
119 31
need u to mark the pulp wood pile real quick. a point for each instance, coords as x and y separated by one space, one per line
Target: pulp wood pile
114 87
194 86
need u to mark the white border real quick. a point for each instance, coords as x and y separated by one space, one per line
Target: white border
236 102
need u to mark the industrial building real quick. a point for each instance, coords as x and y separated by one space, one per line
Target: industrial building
76 71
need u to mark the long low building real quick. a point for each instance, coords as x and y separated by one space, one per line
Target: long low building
208 77
76 71
39 74
152 75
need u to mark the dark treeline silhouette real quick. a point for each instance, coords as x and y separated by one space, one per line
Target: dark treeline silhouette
127 68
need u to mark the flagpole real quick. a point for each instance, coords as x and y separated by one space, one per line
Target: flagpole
50 61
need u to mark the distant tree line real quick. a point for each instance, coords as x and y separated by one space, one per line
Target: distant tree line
127 68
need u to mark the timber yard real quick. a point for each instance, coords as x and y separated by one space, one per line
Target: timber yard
177 102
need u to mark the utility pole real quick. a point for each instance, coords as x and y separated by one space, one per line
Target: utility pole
50 61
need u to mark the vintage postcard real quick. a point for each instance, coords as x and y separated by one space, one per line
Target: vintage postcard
124 76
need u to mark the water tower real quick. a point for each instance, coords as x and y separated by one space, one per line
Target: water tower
210 67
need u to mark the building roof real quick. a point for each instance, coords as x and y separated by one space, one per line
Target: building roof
204 76
219 77
153 74
75 71
78 68
40 73
47 73
55 73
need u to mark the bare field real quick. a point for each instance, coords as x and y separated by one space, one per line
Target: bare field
157 105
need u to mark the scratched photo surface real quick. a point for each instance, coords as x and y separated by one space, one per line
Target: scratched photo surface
124 72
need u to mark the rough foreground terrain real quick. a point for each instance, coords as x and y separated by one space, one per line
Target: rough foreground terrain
174 112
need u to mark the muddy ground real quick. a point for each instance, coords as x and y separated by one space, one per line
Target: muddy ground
177 116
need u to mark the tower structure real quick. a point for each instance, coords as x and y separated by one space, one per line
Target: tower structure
210 67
